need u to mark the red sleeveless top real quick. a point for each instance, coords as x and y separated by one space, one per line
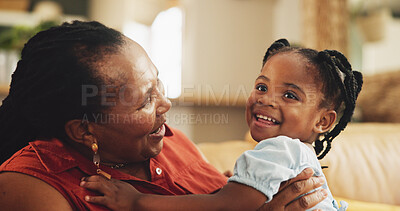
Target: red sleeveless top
179 169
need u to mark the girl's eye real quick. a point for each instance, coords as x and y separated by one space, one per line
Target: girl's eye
291 95
261 87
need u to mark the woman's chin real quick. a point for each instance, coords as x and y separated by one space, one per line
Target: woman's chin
154 149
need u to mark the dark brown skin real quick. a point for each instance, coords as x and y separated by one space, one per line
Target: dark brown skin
119 195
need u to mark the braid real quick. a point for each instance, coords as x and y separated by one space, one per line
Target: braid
340 85
273 49
46 87
337 64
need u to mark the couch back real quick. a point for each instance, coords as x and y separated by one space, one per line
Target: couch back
364 163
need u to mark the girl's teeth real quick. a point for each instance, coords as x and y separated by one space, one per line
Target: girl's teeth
266 118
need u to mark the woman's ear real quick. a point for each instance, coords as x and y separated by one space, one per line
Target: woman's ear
326 121
79 132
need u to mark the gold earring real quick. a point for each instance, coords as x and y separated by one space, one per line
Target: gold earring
96 161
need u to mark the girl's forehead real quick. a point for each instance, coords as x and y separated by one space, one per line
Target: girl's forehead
288 64
290 68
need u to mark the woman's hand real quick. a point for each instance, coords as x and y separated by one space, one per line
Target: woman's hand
290 190
117 195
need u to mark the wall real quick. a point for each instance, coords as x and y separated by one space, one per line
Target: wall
287 20
224 43
383 55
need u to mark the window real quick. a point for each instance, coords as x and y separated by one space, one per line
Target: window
163 42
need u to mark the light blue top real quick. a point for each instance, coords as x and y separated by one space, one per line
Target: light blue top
276 160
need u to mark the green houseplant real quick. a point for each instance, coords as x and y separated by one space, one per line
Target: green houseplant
12 41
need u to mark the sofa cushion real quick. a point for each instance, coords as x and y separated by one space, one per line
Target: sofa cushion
364 163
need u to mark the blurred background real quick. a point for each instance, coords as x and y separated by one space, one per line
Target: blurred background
209 52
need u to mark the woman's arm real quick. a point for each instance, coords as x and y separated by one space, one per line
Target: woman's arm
291 189
23 192
119 195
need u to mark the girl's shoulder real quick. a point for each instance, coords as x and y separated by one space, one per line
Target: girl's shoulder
280 142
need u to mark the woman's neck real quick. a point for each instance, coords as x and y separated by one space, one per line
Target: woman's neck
140 170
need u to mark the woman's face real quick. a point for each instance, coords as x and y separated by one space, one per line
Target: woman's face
133 128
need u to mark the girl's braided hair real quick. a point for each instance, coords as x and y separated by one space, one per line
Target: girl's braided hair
46 89
340 85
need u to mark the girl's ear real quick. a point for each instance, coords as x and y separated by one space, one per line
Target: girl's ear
326 121
79 132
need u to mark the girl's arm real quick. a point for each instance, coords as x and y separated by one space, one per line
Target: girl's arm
233 196
119 195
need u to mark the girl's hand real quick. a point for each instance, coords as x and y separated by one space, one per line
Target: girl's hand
117 195
289 190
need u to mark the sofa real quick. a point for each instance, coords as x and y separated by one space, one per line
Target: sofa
364 162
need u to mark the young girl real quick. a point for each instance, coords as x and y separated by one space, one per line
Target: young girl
291 112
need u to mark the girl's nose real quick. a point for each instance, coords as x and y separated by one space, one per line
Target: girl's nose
268 99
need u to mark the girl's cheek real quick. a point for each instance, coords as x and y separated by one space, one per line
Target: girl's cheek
252 98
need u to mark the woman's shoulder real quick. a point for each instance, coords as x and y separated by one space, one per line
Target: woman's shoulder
39 155
24 192
48 167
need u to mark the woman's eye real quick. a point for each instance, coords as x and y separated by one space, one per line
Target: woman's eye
291 96
262 87
151 99
148 101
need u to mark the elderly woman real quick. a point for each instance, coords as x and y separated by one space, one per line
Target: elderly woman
85 100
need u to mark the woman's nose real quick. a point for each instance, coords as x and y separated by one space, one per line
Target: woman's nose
164 105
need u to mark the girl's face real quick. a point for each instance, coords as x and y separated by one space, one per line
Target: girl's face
285 100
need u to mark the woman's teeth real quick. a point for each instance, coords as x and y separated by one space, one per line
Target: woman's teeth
156 131
259 116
